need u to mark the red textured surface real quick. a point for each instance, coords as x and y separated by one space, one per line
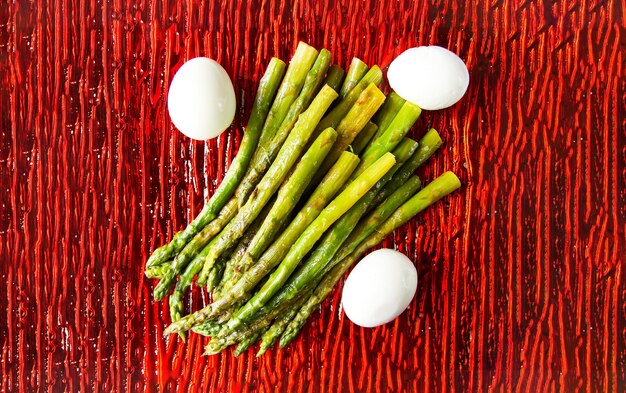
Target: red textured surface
521 271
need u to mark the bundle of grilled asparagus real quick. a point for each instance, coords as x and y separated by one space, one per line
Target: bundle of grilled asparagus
323 173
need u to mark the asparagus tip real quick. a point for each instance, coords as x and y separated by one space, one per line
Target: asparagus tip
169 330
282 344
212 348
262 350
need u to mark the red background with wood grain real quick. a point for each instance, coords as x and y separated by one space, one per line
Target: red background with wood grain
521 271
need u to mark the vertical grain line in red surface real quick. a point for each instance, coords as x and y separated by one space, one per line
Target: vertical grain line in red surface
35 283
9 350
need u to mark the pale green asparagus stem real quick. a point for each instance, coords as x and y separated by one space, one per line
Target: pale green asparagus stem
355 73
390 138
240 250
364 138
387 113
323 194
380 213
332 119
334 77
428 144
349 127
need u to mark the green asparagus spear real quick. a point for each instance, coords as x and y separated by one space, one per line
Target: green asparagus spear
334 77
322 195
208 328
214 347
356 71
266 153
398 128
194 247
212 328
158 271
349 127
247 342
271 335
437 189
235 271
299 66
265 95
225 316
342 203
277 172
216 274
364 138
240 250
428 144
387 113
184 281
225 338
332 119
310 271
219 343
176 305
176 299
290 192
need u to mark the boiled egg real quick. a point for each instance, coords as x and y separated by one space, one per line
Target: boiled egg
379 288
201 100
431 77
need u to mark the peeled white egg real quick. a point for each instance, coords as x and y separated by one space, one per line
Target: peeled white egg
431 77
201 100
379 288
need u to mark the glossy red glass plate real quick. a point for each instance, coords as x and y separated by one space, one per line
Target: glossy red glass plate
521 283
